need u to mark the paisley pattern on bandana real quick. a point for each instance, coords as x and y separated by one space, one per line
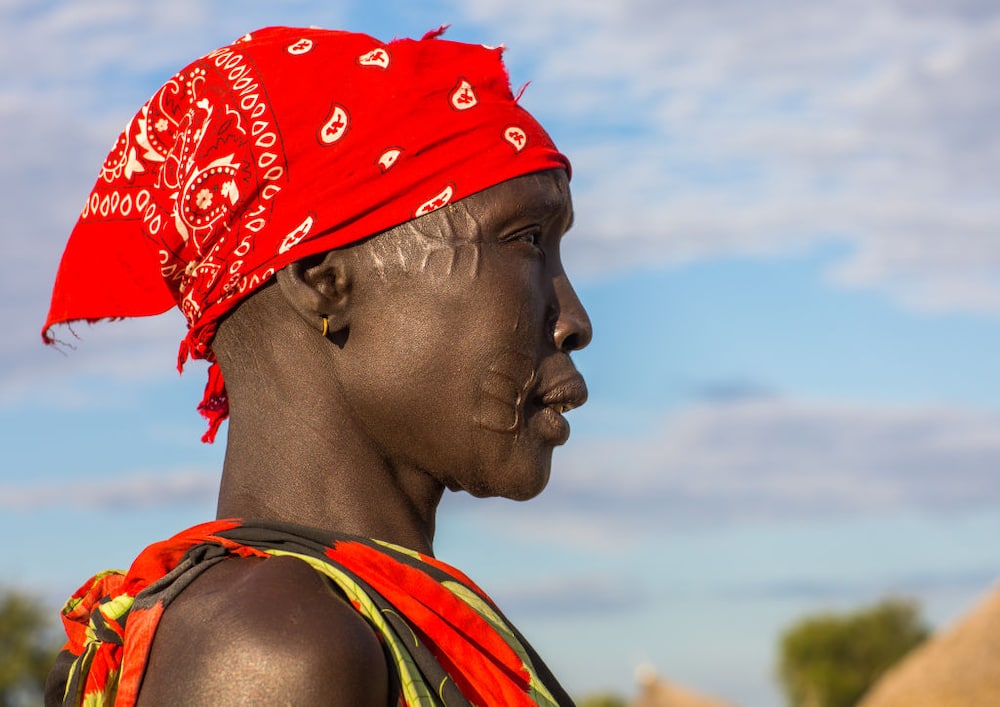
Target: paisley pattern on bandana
287 143
448 642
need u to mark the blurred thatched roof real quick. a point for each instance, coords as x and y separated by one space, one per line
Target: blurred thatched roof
959 667
654 691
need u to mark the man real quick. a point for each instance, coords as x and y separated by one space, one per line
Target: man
365 240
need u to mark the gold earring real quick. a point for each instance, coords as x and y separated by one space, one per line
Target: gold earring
326 327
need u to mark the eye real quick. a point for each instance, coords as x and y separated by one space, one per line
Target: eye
532 236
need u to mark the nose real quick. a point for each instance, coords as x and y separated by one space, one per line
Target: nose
572 330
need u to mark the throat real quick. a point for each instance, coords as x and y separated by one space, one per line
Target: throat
328 485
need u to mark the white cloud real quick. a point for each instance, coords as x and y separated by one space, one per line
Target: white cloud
755 128
698 130
570 596
77 72
758 459
142 350
149 489
765 460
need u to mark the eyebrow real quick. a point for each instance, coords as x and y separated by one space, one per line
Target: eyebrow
549 208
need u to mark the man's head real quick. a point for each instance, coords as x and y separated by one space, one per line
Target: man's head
448 339
288 143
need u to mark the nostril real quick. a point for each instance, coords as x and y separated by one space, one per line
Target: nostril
572 343
572 333
581 339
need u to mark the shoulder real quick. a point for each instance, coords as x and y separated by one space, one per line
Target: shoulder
264 632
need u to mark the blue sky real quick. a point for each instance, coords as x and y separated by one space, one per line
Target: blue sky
786 237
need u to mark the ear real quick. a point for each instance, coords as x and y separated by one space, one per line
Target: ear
318 287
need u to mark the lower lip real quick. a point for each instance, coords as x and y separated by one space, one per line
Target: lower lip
552 426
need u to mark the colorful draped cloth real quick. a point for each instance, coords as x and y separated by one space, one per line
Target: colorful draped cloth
287 143
449 644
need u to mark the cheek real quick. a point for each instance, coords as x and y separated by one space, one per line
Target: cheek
510 352
508 377
503 392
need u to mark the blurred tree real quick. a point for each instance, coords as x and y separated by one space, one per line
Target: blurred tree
829 660
27 649
601 699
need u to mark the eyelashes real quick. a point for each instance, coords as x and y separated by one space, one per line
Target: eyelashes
531 235
527 237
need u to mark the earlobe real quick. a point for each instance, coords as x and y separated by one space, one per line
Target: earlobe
318 289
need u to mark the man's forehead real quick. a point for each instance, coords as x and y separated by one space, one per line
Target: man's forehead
543 193
552 201
538 197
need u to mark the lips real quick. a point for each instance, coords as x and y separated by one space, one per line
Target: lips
568 393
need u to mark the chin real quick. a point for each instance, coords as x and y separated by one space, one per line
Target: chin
520 484
526 495
531 488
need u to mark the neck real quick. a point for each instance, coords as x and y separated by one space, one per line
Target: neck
294 452
322 481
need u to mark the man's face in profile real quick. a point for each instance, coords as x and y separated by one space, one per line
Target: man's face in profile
465 371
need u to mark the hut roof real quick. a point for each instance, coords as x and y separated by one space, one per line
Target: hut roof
654 691
959 666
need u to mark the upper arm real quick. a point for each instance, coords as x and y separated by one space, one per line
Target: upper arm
269 632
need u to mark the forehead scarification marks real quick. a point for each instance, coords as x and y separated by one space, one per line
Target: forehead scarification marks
335 126
436 202
302 46
515 136
378 57
463 96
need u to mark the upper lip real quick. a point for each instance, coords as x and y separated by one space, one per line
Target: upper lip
566 394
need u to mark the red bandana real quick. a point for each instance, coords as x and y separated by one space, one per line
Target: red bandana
288 143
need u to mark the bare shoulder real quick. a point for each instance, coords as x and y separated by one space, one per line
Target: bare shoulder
264 632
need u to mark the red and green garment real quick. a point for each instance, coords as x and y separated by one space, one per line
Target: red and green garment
448 642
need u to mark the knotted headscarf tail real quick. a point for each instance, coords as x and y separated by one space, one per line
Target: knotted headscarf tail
287 143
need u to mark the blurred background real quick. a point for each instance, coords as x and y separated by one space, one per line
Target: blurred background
786 237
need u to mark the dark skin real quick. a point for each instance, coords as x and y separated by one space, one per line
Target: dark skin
446 366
